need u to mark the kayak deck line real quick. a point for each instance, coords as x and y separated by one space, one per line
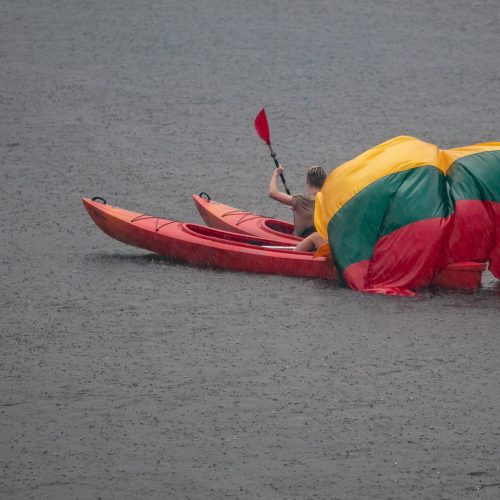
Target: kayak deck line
248 216
251 216
277 247
157 228
268 222
227 218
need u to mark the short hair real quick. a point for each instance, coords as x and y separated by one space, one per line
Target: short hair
316 176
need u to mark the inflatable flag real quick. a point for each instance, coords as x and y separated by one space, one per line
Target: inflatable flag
400 212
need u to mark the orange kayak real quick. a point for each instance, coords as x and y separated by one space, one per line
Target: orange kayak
227 218
458 275
206 246
212 247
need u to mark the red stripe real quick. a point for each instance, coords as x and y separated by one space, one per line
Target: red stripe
409 257
474 231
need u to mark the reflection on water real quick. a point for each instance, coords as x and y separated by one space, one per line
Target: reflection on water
141 259
489 282
326 290
490 288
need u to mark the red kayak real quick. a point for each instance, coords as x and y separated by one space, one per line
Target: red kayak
236 252
207 246
220 216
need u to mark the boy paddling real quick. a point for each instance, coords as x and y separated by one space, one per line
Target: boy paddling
301 204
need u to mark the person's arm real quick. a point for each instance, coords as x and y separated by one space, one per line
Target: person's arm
275 193
311 243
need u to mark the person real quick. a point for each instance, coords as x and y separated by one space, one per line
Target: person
311 243
301 204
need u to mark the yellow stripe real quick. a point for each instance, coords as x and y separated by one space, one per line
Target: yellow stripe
396 155
448 156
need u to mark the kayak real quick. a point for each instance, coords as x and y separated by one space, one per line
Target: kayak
211 247
457 275
220 216
205 246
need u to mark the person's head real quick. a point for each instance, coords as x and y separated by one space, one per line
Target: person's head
316 177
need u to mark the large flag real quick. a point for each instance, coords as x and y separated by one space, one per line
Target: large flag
400 212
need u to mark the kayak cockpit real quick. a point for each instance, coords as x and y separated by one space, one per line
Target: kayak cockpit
280 226
234 238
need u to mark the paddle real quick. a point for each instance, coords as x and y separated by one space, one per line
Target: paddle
262 129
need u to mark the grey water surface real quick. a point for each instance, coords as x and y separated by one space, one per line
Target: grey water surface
124 375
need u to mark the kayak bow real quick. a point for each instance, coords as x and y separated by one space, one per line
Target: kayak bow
220 216
206 246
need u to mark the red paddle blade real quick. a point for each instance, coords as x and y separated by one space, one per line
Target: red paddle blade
262 127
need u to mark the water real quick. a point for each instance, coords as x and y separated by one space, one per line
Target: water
125 375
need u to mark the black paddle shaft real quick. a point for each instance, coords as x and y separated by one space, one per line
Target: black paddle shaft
277 163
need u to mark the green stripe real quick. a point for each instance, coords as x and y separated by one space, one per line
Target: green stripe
384 206
476 177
